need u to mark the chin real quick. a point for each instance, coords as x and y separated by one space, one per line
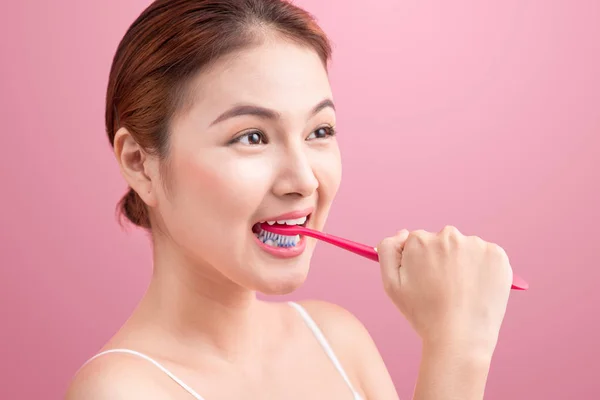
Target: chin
285 281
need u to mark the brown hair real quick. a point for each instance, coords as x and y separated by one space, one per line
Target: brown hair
167 45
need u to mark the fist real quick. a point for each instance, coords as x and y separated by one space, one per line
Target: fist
450 287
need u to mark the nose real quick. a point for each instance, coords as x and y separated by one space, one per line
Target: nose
296 176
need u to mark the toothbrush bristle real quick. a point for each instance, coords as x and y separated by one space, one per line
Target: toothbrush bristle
277 239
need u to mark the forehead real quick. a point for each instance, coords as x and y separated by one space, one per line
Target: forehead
277 74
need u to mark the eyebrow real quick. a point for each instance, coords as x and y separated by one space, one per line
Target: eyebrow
265 113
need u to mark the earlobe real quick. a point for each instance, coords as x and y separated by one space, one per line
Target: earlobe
132 161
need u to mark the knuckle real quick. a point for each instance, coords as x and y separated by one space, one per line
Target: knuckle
386 243
421 235
498 252
416 238
450 230
477 241
402 233
450 236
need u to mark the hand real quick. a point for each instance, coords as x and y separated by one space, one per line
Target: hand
453 289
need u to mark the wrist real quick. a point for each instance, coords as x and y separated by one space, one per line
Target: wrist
452 371
462 339
468 353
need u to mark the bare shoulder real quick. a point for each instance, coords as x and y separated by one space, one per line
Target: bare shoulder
119 376
353 345
341 328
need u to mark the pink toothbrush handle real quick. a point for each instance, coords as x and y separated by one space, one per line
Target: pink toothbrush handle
354 247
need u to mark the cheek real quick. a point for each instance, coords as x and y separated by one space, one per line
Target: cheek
219 192
328 170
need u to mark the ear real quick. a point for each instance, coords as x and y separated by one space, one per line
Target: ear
137 167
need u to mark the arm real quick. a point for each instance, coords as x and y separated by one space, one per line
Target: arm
450 372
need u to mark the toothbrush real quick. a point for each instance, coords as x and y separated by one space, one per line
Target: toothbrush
354 247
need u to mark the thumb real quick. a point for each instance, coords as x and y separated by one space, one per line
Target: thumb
390 257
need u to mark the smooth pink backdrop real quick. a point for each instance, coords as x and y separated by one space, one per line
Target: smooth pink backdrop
484 115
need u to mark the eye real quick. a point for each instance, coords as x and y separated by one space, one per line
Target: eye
252 138
322 133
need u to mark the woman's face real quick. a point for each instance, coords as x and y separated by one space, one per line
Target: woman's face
256 145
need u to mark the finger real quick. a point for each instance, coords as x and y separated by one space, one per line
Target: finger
390 257
401 236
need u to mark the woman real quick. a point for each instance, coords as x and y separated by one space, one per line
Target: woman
221 117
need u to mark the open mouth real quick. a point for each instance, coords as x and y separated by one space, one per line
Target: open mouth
277 240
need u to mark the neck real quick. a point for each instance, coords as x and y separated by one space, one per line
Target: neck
201 309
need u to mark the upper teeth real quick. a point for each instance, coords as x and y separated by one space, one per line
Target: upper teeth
298 221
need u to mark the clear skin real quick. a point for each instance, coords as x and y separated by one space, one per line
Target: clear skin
200 316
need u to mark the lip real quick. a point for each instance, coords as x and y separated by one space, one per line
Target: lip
283 252
291 215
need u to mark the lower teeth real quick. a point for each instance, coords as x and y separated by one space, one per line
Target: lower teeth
275 240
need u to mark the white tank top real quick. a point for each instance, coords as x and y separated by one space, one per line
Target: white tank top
307 319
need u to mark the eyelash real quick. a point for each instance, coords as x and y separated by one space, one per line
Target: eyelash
330 132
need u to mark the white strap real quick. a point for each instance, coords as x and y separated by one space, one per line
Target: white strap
325 344
159 366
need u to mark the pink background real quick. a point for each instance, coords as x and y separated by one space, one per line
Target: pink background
484 115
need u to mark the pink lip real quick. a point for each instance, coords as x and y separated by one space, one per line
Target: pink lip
291 215
283 252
